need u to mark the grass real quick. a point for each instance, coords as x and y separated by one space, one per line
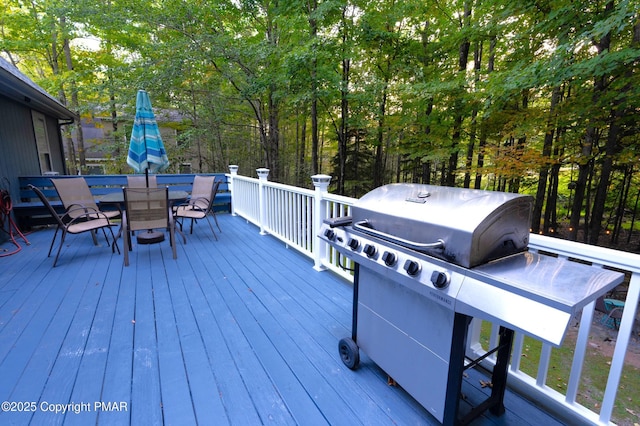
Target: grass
594 375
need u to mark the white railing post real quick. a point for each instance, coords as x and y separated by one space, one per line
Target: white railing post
622 344
263 174
321 183
233 170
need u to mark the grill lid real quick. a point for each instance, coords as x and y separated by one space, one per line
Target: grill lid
467 227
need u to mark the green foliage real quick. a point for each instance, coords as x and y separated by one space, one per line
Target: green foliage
384 75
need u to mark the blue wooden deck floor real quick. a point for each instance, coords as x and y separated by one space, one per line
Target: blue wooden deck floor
239 331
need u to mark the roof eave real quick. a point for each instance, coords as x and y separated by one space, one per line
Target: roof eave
20 89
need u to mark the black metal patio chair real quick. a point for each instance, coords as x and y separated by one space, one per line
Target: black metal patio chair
77 220
200 205
147 209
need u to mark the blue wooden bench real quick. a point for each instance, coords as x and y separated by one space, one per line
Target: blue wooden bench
29 211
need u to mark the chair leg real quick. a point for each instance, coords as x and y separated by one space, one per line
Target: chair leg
172 239
216 219
64 234
127 243
119 234
114 245
173 228
105 236
211 226
184 239
53 240
94 237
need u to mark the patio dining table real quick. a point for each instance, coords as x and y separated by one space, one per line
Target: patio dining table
117 197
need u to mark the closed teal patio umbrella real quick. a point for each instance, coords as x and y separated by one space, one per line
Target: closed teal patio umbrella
146 150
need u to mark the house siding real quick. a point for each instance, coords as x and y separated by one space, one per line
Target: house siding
19 154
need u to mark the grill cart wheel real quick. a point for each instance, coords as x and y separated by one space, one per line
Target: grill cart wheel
349 353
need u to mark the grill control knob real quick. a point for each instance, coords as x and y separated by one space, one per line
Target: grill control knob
330 234
440 279
353 244
389 258
369 250
412 267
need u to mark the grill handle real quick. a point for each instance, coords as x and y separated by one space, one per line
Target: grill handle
363 227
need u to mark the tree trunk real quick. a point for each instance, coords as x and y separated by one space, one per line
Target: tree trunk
550 213
313 5
543 173
619 113
584 170
301 150
585 166
482 142
426 165
378 168
624 196
463 59
550 218
343 133
606 169
63 97
273 139
272 147
75 104
477 58
196 125
113 107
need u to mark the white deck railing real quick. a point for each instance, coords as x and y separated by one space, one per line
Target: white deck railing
294 215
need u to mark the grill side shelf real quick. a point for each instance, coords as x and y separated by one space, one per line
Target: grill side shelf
533 293
558 283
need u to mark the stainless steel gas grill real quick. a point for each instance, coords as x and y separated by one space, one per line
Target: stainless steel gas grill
427 260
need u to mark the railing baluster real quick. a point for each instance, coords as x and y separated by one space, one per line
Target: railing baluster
580 352
543 365
495 336
622 344
516 352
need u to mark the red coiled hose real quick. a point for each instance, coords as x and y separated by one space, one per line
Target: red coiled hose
5 216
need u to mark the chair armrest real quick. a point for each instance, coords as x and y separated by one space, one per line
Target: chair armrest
76 212
205 201
88 214
191 203
78 207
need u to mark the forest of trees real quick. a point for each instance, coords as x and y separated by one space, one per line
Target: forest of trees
527 96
